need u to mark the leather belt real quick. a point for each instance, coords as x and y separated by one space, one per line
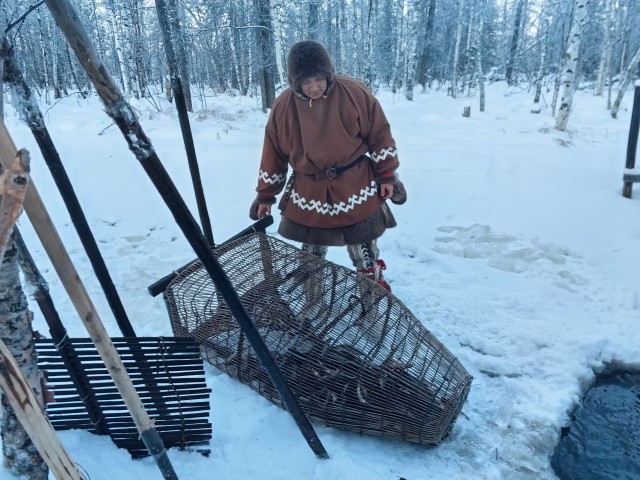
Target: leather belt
334 172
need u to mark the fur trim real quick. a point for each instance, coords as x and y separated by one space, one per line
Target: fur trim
399 195
307 59
253 209
362 232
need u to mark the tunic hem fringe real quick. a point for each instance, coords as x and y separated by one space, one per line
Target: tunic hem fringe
362 232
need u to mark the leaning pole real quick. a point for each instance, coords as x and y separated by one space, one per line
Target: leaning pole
124 117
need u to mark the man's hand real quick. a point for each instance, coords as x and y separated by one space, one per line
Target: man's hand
264 209
386 190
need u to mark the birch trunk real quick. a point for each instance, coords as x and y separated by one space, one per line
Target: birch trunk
116 29
177 39
265 53
20 453
571 64
45 65
369 74
411 52
399 47
456 50
515 40
478 49
606 51
277 37
543 29
628 77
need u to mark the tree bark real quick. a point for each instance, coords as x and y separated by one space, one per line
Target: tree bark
265 53
313 20
20 453
515 39
277 37
478 52
571 64
606 51
456 51
628 76
411 51
542 38
181 53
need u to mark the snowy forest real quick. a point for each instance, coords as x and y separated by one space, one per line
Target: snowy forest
548 47
535 305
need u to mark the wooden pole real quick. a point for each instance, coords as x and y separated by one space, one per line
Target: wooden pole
16 387
59 335
629 178
125 118
28 108
183 116
20 396
70 278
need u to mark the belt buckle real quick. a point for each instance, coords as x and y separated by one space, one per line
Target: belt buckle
331 173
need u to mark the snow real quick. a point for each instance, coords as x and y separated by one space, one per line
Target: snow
516 249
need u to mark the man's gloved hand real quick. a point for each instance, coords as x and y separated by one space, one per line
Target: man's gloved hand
258 210
399 195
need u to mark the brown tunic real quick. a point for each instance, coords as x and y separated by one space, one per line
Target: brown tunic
330 132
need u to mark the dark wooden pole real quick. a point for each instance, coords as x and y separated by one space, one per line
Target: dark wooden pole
628 178
183 116
48 235
161 285
59 335
125 118
18 385
28 107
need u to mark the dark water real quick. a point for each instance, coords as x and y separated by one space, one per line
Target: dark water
603 440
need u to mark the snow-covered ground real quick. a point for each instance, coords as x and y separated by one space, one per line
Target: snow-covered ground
516 249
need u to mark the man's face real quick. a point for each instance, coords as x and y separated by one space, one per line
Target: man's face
314 87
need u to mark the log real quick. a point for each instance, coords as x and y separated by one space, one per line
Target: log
70 278
33 419
18 391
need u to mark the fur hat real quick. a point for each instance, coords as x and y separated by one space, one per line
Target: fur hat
306 59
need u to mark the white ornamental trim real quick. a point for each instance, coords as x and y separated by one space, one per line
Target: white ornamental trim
384 153
336 208
273 179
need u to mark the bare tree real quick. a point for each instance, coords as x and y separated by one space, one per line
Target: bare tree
571 64
266 56
456 51
515 39
630 73
411 51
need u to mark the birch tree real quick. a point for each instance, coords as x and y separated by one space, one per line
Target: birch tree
478 54
277 39
265 51
181 52
543 29
20 453
571 64
630 74
369 75
606 50
515 39
411 52
456 51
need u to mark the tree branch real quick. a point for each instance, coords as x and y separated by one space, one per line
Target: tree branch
24 16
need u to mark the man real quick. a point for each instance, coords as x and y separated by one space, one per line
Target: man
334 134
